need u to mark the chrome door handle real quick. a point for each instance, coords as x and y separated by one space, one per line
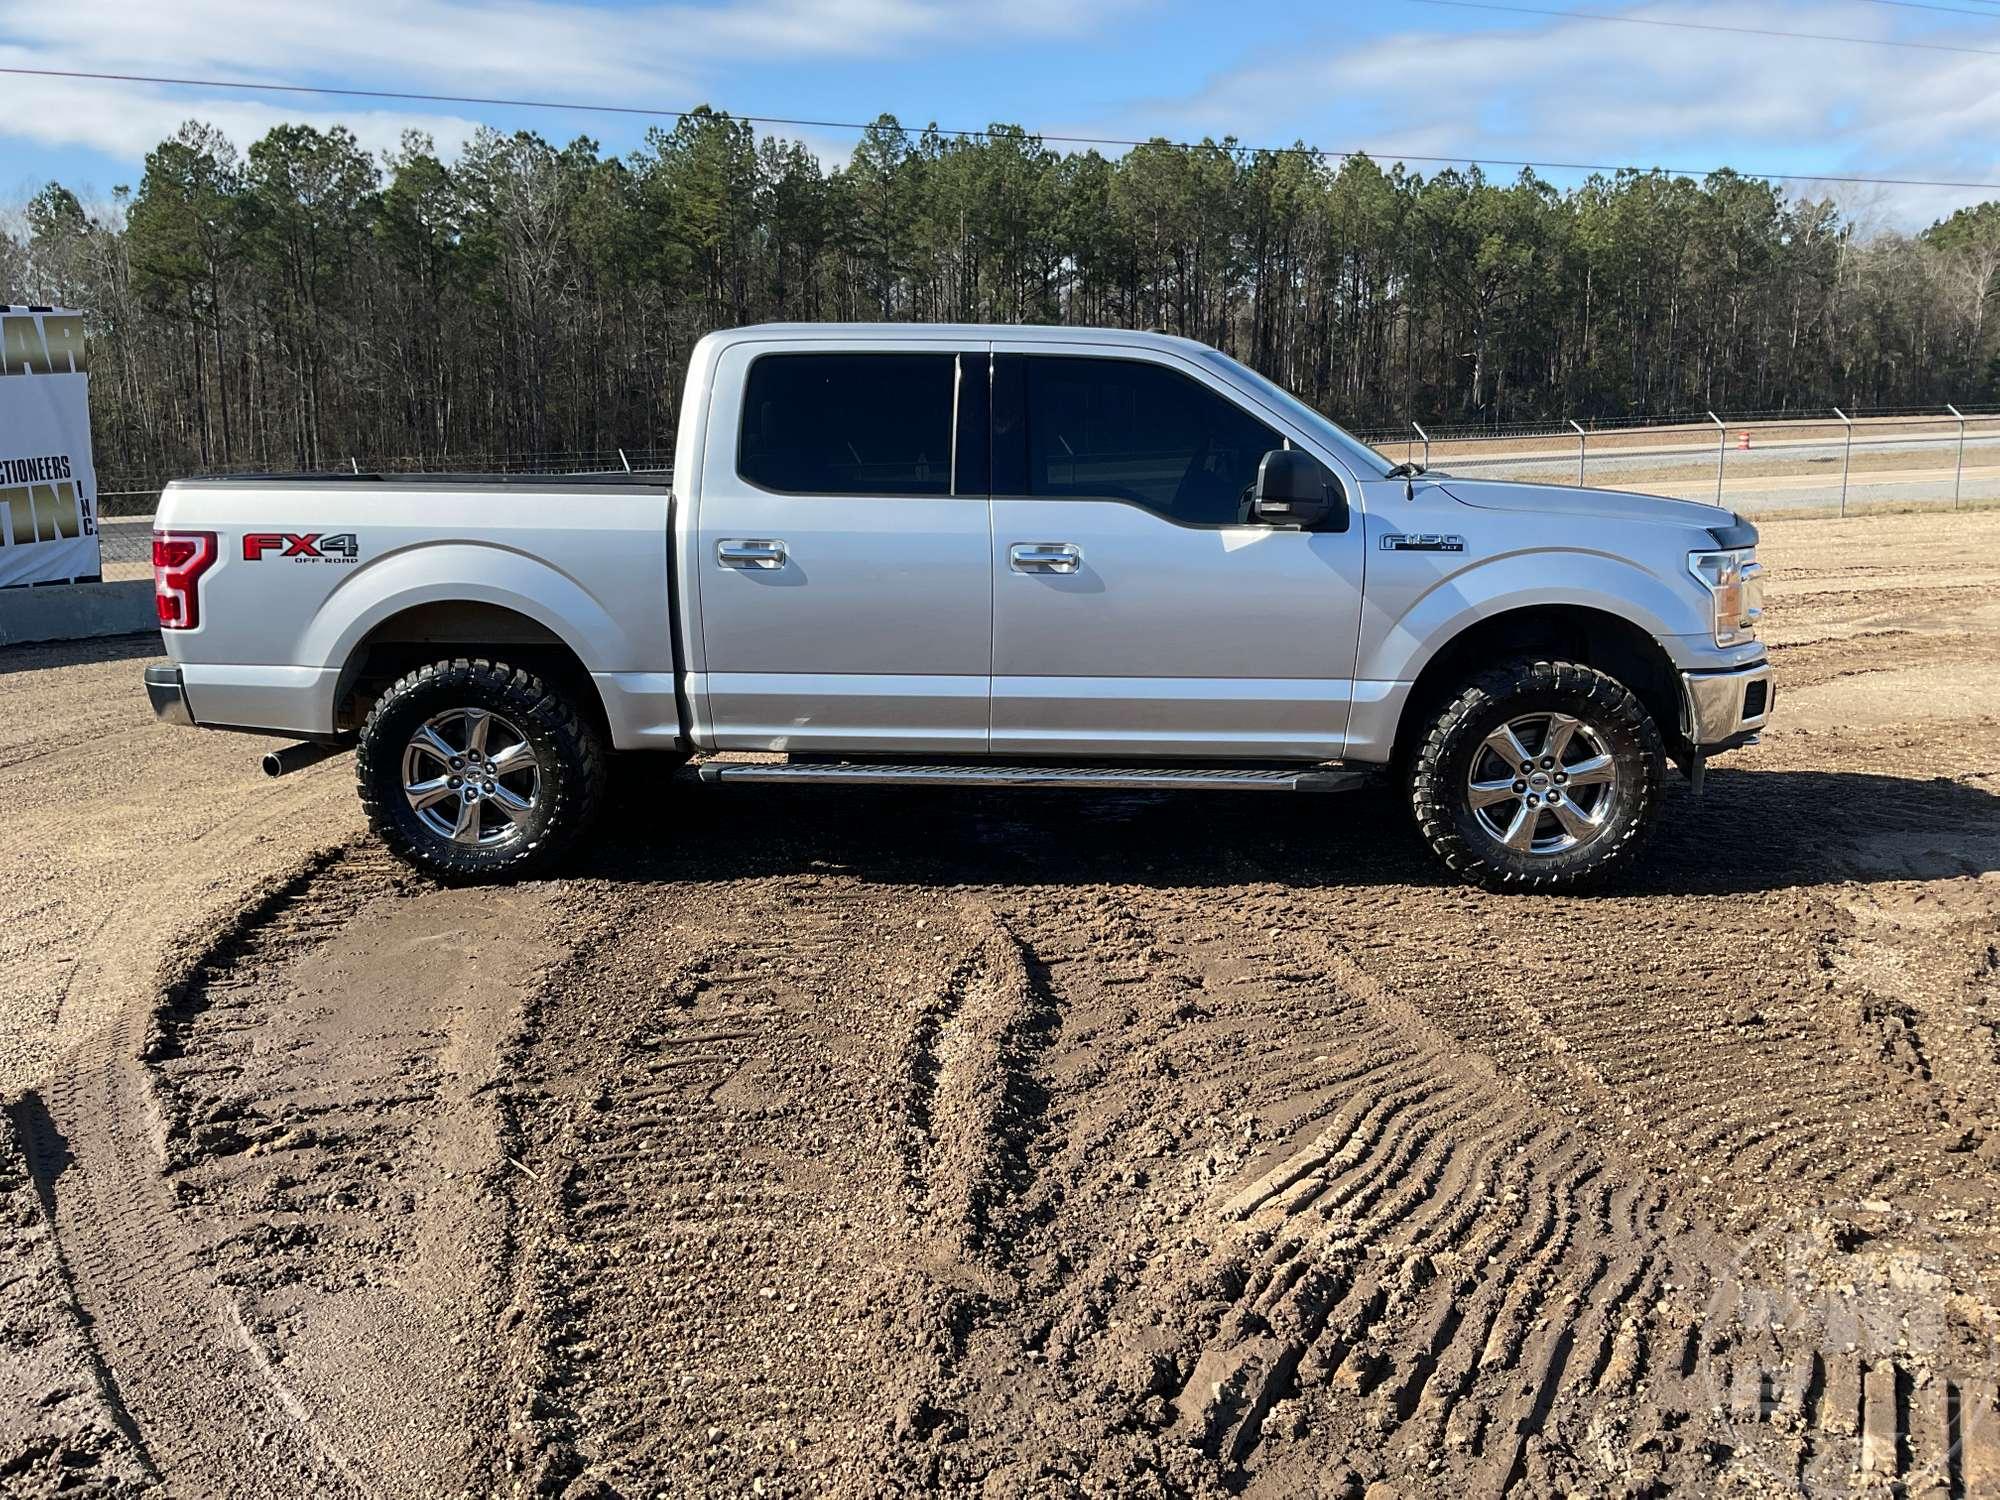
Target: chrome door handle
1044 557
749 553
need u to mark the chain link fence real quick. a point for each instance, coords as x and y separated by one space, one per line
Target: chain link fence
1836 463
1764 464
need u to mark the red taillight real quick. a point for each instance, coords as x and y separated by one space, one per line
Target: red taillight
179 560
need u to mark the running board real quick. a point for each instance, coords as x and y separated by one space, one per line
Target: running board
1094 778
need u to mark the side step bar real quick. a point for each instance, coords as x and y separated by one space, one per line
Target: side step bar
1097 778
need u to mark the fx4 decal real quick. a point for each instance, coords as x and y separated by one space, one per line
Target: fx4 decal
1397 541
311 547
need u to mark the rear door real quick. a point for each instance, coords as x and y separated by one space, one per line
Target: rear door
1136 611
845 597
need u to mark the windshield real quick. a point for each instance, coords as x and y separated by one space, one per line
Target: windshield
1349 447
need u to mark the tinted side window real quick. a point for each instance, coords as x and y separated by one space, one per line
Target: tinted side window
1127 430
848 424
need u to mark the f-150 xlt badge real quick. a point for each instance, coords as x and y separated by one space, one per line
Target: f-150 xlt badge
1396 541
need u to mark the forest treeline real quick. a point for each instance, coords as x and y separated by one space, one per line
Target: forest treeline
303 301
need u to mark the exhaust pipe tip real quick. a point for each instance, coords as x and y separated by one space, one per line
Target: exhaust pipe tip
288 758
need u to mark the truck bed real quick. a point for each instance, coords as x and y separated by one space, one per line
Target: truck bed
321 582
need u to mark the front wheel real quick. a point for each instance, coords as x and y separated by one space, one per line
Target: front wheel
1538 776
474 770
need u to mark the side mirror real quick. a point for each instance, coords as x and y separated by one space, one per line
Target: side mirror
1294 489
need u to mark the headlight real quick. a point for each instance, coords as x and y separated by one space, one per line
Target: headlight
1733 580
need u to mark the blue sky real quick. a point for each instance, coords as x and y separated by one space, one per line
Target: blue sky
1396 76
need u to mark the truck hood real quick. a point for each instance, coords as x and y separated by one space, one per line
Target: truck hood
1568 500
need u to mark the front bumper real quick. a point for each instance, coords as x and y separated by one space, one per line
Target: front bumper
1727 708
169 697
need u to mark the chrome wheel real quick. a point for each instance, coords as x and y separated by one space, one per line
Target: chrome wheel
470 776
1542 783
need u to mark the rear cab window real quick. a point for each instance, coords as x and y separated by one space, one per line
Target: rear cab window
849 423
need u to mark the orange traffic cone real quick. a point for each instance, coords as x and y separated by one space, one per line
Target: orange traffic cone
1743 440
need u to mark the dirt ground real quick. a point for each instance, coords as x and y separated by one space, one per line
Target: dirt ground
893 1142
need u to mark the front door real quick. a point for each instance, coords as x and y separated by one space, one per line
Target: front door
846 603
1136 611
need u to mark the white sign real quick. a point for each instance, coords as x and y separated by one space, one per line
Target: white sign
48 488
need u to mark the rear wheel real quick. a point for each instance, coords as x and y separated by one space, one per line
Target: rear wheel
1540 775
475 770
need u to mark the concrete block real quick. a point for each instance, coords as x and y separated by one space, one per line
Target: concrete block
76 611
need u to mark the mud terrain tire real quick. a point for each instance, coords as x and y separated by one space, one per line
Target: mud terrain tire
1454 746
569 768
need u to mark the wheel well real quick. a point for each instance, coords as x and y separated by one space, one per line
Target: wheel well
1559 632
427 632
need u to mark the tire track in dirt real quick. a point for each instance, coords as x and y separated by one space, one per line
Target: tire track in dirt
1451 1286
863 1183
1021 1187
62 1426
755 1152
1365 1287
275 1195
972 1105
96 1147
332 1138
162 1328
1740 1071
1919 965
859 1185
122 867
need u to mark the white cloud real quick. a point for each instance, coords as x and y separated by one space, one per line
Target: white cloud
527 49
128 121
537 47
1591 91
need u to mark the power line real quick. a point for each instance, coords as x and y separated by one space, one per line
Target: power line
648 112
1793 36
1949 10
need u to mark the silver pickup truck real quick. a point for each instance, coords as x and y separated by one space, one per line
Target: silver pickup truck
974 556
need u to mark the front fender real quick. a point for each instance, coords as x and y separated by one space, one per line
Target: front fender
1416 603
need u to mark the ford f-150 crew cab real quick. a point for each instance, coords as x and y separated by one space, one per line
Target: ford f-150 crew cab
980 556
